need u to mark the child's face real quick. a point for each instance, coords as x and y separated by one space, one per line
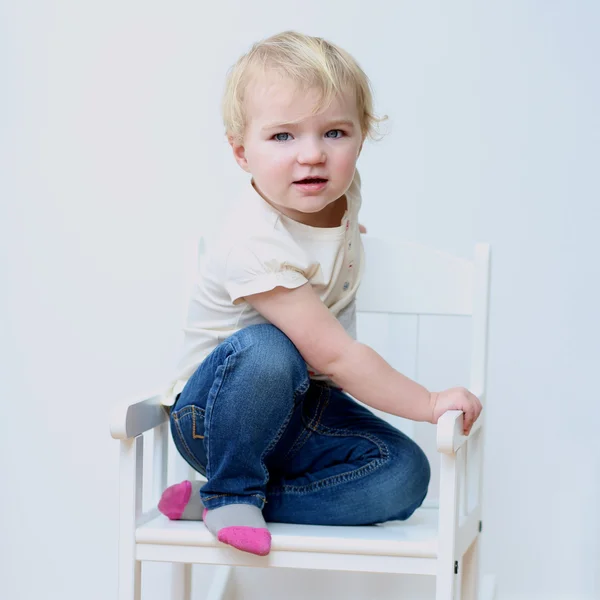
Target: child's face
279 154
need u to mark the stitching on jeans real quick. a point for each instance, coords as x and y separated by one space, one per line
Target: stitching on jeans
306 432
191 457
181 436
207 426
229 495
192 408
342 477
369 436
297 445
274 441
194 435
320 413
301 390
331 481
182 412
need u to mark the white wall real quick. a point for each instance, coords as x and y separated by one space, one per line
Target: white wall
112 156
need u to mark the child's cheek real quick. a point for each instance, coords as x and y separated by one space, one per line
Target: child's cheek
272 169
278 159
347 163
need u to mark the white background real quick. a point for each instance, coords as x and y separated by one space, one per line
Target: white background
112 157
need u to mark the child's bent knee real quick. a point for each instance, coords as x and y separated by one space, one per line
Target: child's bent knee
409 483
269 349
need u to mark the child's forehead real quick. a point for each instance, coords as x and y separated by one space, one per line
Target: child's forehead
274 97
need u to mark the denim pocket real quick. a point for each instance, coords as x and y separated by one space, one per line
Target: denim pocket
187 428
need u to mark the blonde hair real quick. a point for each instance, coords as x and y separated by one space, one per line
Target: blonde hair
311 62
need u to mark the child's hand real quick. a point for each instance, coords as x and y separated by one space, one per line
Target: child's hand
457 398
362 228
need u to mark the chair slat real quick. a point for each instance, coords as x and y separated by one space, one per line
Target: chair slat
139 475
407 278
479 334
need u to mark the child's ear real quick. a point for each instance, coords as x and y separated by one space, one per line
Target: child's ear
239 153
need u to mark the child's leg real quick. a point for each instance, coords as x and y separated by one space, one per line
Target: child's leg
228 418
343 466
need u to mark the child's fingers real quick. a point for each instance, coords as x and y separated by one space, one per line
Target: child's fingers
472 411
469 418
467 424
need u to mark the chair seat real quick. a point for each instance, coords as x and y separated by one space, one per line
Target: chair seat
415 538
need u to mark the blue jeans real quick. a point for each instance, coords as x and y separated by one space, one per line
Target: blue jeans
262 432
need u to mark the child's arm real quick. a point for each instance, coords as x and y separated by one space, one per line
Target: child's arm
355 367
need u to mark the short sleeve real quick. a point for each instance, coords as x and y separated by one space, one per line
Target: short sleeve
254 268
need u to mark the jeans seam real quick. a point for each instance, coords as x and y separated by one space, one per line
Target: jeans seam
237 500
176 418
319 412
306 432
182 412
196 437
341 432
297 445
302 388
262 498
226 364
277 437
333 480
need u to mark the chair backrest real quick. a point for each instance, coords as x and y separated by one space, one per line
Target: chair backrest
426 313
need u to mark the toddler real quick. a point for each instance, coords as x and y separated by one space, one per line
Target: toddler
264 400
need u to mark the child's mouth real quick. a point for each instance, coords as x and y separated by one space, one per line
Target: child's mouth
311 184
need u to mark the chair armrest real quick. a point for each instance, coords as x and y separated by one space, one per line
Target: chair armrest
450 427
131 419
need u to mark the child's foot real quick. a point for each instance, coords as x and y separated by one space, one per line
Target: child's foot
182 501
239 525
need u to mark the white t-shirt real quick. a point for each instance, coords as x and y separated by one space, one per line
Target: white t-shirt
259 249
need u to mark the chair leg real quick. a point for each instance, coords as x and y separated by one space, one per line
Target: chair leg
130 484
221 585
137 593
446 588
130 581
470 579
181 582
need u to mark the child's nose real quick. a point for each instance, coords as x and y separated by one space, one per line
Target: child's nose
311 153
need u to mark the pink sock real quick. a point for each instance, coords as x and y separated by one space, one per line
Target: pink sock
182 501
239 525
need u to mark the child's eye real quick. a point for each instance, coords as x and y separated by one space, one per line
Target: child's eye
337 133
280 137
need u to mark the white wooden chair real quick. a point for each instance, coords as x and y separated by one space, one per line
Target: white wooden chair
441 539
